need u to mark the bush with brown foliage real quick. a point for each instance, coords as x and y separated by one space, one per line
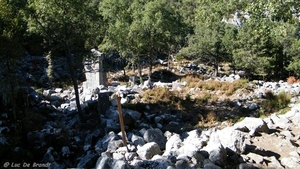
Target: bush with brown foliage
291 80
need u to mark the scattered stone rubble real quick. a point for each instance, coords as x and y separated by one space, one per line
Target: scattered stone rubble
150 144
159 140
229 147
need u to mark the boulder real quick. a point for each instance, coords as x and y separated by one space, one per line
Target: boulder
296 118
102 143
137 140
181 164
118 156
218 155
255 158
252 124
157 136
35 138
129 156
110 163
187 150
113 145
195 138
279 121
88 160
148 150
48 157
247 166
233 140
293 112
111 125
112 114
103 103
173 144
290 162
160 162
134 114
253 106
65 151
3 140
209 165
273 163
51 157
93 137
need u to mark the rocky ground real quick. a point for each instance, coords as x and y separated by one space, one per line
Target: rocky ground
52 134
282 140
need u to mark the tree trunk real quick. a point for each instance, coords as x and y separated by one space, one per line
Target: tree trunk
216 67
151 60
150 71
282 61
75 84
123 66
74 79
12 88
140 72
216 70
50 68
12 91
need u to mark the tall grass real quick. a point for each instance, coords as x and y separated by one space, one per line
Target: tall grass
226 87
182 100
157 95
164 97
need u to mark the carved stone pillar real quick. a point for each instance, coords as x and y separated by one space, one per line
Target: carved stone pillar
94 71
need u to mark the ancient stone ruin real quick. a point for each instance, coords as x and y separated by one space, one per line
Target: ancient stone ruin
94 71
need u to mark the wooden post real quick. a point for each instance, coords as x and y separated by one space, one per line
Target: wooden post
121 120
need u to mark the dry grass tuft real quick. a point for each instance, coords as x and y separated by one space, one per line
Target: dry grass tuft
197 93
234 86
227 87
211 117
208 120
203 98
155 95
165 97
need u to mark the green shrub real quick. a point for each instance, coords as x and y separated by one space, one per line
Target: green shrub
274 103
284 110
